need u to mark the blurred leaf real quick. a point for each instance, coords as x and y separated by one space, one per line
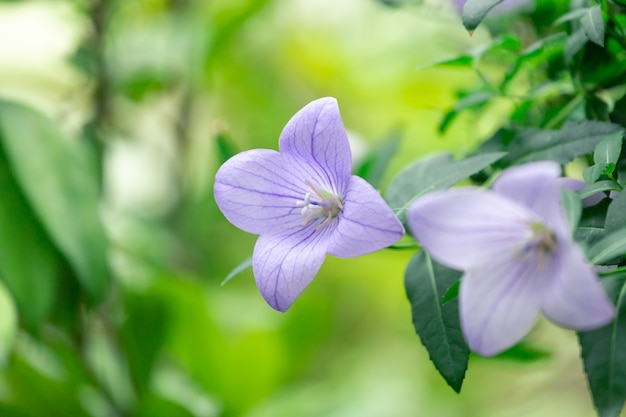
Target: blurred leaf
538 53
375 165
574 43
475 11
606 155
522 352
451 293
593 24
141 84
603 353
596 187
225 147
62 188
563 145
143 333
471 101
591 226
572 15
572 206
245 264
616 213
433 173
29 263
437 325
8 324
608 248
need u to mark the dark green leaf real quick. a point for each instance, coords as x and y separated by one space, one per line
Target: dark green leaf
522 352
143 334
433 173
375 165
437 325
608 248
451 293
29 263
593 24
225 147
475 11
563 145
245 264
471 101
616 214
597 187
603 353
62 188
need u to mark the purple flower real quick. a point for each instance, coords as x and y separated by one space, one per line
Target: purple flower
518 258
304 203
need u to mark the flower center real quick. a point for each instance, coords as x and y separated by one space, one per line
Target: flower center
319 205
542 243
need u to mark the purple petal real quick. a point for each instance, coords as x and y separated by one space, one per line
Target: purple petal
257 191
465 227
535 186
284 265
499 303
315 140
367 223
573 296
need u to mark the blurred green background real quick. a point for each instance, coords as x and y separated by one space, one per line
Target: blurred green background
143 100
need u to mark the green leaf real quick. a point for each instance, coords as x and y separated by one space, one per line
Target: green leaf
29 263
593 24
62 188
574 43
433 173
471 101
616 213
451 293
608 248
597 187
143 334
606 155
475 11
603 353
572 206
573 15
375 165
522 352
8 324
245 264
563 145
437 325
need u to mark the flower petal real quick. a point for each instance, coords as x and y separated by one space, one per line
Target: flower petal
466 227
257 191
535 185
315 139
367 223
575 185
284 265
573 296
499 303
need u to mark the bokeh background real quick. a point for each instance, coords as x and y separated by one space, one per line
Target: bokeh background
160 93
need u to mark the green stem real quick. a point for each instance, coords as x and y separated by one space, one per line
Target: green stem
615 271
564 112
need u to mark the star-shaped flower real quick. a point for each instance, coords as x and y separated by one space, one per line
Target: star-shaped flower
304 203
515 248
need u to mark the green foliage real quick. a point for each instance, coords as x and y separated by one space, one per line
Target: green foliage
602 352
436 323
60 184
433 173
563 145
613 245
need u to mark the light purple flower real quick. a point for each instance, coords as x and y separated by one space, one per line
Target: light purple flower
304 203
518 258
